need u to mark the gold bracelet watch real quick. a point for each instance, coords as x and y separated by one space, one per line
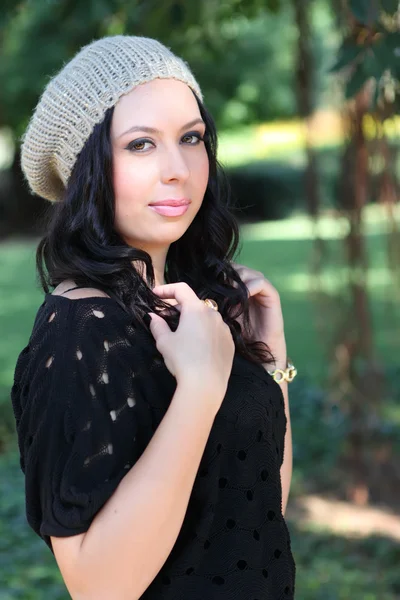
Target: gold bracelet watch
288 374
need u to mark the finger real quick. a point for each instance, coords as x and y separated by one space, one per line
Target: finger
264 283
171 301
158 325
180 291
262 287
243 279
236 284
170 311
237 267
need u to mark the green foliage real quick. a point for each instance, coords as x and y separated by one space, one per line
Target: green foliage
266 190
273 189
336 567
390 6
372 50
27 568
347 54
356 82
248 47
255 82
366 11
317 455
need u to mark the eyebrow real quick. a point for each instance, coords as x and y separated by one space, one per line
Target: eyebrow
153 130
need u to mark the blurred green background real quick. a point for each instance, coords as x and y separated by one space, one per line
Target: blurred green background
305 94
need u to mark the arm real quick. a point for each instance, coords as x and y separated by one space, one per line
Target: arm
279 350
287 465
132 535
267 324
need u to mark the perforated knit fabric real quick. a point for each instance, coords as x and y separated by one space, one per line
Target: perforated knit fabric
90 388
77 97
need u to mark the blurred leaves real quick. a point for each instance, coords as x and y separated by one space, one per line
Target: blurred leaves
208 35
368 12
356 81
371 50
347 54
222 41
390 6
365 11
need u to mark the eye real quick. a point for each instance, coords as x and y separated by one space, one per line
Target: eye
138 146
133 145
195 135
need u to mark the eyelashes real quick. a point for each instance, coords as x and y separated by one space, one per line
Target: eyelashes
141 141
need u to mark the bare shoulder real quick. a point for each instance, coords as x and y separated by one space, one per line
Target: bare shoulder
79 293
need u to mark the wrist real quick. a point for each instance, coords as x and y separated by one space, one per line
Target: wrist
279 352
283 374
197 385
281 362
282 369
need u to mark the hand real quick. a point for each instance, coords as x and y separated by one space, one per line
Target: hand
201 350
265 310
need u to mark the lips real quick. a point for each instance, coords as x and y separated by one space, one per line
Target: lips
170 211
171 202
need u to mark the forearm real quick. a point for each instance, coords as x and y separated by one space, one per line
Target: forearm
278 349
287 465
133 534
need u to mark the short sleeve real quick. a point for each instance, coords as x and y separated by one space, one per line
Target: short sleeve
83 420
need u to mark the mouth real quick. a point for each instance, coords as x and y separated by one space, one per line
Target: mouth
168 210
171 207
171 202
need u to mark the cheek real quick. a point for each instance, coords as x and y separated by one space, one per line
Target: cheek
132 190
125 182
202 171
127 191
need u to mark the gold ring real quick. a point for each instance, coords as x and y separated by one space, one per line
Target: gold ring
211 303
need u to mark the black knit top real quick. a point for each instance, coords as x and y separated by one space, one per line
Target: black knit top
90 389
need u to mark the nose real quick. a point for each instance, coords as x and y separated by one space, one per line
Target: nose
174 165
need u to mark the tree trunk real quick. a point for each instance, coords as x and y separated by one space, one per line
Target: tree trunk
357 380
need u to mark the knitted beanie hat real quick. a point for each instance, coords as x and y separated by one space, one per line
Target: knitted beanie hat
76 99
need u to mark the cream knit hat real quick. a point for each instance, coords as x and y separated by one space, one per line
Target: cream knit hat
76 99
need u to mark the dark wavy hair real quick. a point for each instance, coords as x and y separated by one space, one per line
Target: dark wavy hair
81 243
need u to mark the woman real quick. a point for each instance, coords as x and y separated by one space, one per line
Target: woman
151 434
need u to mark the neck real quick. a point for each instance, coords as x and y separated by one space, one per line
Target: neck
158 259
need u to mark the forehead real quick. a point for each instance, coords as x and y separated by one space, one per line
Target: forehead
161 103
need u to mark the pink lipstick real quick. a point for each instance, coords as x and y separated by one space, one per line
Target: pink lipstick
171 207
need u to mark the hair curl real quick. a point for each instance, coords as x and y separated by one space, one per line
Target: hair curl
81 244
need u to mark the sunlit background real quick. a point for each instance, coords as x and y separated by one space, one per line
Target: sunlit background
305 94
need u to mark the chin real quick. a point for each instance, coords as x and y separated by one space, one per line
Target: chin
155 242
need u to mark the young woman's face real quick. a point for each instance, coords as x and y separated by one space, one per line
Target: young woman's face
170 163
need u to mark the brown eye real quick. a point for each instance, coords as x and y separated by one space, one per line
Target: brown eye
196 136
189 136
134 145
